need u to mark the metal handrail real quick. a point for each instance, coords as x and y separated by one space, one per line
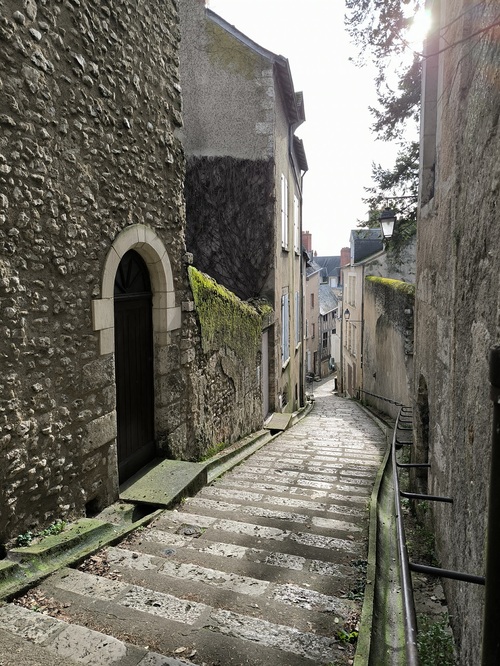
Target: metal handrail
409 615
381 397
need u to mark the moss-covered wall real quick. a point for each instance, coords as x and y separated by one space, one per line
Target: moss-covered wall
388 342
226 391
230 221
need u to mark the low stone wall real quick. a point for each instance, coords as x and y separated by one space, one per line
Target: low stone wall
388 343
226 393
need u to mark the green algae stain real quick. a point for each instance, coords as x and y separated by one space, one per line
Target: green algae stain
226 50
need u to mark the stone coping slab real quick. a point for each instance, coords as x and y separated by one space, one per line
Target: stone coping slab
163 483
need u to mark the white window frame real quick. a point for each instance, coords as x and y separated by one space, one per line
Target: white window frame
285 329
298 337
284 212
296 224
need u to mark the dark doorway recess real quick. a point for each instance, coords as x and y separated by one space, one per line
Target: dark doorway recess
134 365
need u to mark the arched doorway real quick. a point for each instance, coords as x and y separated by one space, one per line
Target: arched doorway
133 365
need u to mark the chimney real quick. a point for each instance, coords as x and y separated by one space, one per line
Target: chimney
307 241
345 256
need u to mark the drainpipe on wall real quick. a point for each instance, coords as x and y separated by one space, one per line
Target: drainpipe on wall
360 382
491 618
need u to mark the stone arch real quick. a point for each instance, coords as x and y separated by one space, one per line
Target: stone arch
166 316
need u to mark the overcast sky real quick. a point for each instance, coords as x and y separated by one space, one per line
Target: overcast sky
337 139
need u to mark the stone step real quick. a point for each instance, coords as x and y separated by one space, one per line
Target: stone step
263 591
257 562
40 640
155 616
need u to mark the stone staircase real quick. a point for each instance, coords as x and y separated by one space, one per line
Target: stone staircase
262 567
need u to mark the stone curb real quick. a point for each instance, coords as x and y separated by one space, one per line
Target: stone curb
362 656
26 566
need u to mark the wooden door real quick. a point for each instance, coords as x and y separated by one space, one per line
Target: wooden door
134 365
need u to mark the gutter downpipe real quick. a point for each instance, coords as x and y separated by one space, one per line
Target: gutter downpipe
362 350
491 615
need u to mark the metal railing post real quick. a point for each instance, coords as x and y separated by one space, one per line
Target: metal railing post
491 618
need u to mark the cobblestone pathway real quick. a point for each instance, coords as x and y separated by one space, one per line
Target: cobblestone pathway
261 568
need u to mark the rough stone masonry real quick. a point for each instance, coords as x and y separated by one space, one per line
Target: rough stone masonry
89 108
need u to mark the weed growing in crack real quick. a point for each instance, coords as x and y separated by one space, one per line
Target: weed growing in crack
435 642
28 537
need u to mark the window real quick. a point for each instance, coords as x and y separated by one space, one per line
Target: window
284 212
313 330
296 225
325 317
297 319
324 342
285 328
312 300
351 290
307 328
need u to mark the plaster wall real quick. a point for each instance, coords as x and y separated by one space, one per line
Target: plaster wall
89 113
288 275
457 299
225 85
388 344
352 329
311 309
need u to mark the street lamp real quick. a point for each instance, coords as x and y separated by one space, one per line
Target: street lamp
387 220
347 314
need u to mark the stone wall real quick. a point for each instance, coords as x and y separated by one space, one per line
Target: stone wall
388 343
226 398
230 221
89 111
457 297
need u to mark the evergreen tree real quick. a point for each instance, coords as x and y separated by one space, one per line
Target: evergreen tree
378 29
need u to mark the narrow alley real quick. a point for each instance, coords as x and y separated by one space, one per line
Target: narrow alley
264 566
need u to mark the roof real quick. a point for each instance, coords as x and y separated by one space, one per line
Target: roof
312 268
330 265
327 299
300 153
364 243
294 102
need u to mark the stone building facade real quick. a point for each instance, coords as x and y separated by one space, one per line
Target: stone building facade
244 184
369 257
91 168
457 291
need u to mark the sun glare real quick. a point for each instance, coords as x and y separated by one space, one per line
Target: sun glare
419 28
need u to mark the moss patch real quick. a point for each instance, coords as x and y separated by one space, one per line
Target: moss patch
225 320
398 285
